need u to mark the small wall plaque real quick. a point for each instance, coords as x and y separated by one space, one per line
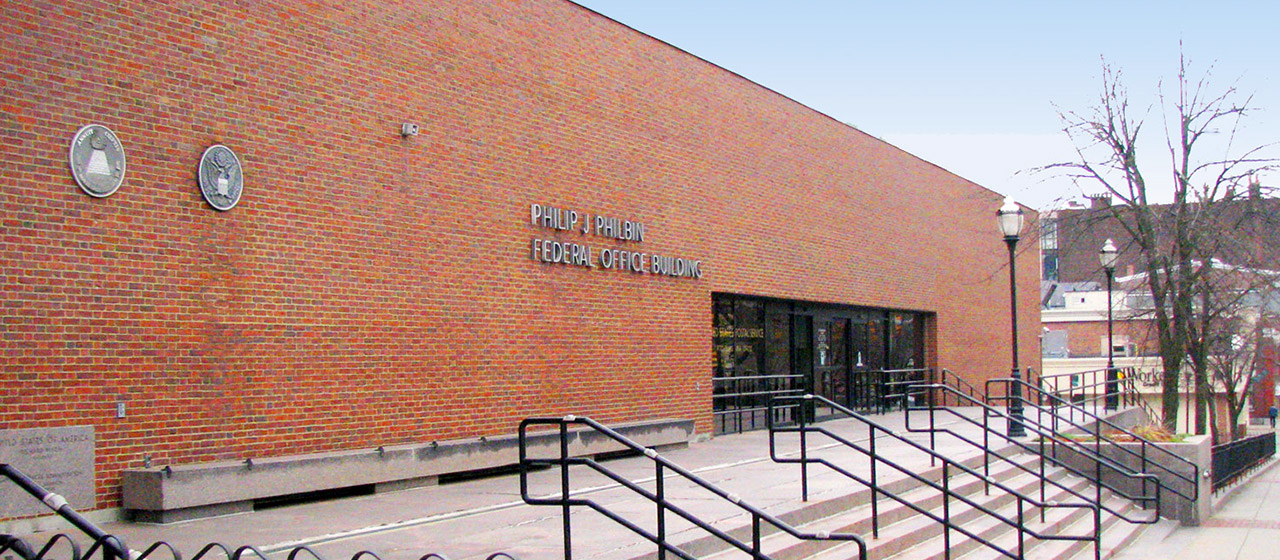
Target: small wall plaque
97 160
221 177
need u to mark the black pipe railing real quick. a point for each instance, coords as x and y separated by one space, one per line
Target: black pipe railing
1235 459
1092 387
101 548
876 430
1045 402
960 384
663 467
112 546
739 403
893 387
1046 438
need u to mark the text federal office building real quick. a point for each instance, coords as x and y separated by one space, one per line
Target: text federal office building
328 227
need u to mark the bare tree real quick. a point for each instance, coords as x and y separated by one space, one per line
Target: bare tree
1235 306
1174 242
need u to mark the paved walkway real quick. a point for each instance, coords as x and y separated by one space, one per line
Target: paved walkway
1246 526
470 520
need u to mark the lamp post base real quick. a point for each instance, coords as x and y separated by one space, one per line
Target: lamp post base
1112 400
1016 429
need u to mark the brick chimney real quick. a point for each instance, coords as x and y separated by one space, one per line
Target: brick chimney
1098 201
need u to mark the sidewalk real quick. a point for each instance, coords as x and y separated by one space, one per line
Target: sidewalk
1246 526
473 519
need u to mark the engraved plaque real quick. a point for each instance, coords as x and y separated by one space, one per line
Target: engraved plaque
97 160
221 177
59 459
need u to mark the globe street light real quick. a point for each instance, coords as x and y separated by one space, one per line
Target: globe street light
1010 218
1108 256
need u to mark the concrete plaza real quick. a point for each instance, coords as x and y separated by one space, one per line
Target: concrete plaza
475 518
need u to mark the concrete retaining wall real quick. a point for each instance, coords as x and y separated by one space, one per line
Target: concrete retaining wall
180 492
1196 449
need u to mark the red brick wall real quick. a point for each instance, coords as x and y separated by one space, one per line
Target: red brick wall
372 290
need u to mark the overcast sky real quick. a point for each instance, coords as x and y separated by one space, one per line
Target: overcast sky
975 87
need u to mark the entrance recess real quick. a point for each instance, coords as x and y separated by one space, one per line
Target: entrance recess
765 347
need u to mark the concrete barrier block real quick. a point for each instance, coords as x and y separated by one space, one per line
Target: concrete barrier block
173 493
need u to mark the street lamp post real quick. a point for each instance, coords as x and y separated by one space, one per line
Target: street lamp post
1010 218
1108 256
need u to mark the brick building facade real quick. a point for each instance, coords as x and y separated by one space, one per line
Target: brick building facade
373 289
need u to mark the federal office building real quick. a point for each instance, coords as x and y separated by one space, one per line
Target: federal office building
233 236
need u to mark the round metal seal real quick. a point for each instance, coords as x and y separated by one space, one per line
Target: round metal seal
221 177
97 160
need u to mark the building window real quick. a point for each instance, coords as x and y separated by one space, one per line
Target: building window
1056 344
1049 249
1140 301
1121 347
1050 269
1049 233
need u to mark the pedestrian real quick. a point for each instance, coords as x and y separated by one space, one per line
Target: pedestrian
1272 413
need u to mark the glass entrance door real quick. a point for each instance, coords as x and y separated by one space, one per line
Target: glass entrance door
831 368
850 360
861 382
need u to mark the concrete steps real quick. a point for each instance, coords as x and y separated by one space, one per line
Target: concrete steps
906 534
1000 532
1076 523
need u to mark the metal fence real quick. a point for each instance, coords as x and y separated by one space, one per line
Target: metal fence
110 547
1235 459
107 547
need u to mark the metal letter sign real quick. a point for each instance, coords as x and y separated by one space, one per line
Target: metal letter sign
97 160
221 177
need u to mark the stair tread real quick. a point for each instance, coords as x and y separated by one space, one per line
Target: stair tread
992 530
908 535
1081 525
702 545
901 536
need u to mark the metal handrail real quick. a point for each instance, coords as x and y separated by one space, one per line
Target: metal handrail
948 495
658 496
112 545
892 389
1100 437
760 393
755 377
961 385
26 552
1099 460
1122 387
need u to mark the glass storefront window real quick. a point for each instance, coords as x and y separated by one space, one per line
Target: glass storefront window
764 347
906 344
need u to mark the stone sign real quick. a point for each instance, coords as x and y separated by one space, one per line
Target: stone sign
59 459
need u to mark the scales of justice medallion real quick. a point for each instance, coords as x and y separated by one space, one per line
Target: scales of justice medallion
97 160
221 177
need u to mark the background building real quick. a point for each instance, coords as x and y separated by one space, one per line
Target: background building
586 221
1240 278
